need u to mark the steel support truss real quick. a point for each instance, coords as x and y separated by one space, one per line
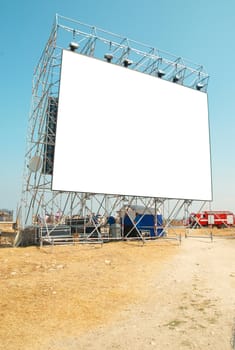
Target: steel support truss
40 206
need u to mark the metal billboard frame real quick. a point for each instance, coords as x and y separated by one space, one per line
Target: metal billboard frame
37 199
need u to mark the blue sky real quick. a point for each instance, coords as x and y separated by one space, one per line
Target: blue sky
201 31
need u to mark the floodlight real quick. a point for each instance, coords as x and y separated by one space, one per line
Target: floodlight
199 86
176 78
160 73
73 46
127 62
108 57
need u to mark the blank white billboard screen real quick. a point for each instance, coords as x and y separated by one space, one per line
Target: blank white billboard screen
124 132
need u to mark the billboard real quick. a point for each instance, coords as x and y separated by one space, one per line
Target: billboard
123 132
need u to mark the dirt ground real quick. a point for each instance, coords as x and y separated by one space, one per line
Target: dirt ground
120 295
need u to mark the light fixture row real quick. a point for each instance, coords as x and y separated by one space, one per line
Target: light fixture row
160 73
127 62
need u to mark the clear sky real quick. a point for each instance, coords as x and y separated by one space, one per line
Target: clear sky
201 31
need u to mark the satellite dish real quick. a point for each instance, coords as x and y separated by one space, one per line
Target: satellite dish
35 164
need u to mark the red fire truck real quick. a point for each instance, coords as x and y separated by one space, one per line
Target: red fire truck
211 218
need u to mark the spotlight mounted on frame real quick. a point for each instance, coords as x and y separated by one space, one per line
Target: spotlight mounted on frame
160 73
73 46
127 62
176 78
108 57
199 86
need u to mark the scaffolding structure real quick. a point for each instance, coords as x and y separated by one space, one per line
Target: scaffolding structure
39 204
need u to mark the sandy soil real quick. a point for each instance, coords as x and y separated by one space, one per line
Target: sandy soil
160 295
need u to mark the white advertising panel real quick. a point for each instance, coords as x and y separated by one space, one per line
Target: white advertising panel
124 132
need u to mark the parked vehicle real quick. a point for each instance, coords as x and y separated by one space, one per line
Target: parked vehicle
211 218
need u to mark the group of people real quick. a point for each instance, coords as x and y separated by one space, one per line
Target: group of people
47 218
